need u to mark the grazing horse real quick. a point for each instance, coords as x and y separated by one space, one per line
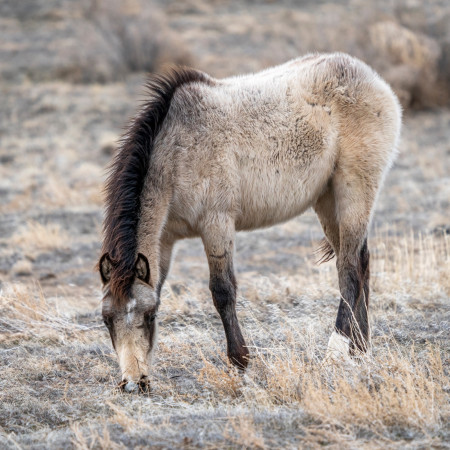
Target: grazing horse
208 157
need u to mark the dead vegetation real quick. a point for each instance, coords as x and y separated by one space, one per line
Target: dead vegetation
407 42
409 61
289 396
44 237
85 41
104 41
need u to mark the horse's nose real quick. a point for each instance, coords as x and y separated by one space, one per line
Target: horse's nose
143 386
129 386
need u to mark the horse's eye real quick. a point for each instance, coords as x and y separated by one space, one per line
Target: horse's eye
107 321
150 318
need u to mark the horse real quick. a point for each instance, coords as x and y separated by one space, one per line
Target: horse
208 157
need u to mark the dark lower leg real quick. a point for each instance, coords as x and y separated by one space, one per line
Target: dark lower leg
352 319
361 336
223 290
218 239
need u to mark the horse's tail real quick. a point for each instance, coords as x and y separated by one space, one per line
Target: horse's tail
325 252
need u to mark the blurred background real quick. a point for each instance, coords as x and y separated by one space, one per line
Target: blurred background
100 41
71 75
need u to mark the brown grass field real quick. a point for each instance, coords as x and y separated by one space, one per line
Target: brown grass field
70 77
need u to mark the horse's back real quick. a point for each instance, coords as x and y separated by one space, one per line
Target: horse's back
264 146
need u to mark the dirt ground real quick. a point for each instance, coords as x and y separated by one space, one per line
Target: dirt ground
58 370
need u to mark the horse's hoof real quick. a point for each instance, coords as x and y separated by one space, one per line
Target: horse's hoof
240 361
338 350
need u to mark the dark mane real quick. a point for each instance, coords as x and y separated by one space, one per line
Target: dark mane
127 175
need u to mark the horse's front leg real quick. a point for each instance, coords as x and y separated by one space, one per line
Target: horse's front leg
218 239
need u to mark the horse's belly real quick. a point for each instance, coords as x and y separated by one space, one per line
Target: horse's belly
271 196
286 167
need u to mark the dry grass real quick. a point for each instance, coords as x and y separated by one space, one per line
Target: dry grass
42 237
418 263
391 388
289 396
26 314
241 432
407 43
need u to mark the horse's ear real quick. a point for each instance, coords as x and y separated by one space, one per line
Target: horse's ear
142 268
105 266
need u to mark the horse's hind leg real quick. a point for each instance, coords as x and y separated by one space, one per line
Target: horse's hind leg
355 196
218 239
325 209
361 337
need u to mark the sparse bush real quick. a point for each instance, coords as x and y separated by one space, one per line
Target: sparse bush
409 62
140 34
85 41
103 41
406 42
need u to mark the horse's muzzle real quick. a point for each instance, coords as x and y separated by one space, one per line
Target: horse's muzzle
131 387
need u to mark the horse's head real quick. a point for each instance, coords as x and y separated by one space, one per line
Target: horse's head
131 323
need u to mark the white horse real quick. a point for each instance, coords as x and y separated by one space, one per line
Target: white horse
208 157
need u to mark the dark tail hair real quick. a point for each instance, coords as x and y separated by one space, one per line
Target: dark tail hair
325 252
